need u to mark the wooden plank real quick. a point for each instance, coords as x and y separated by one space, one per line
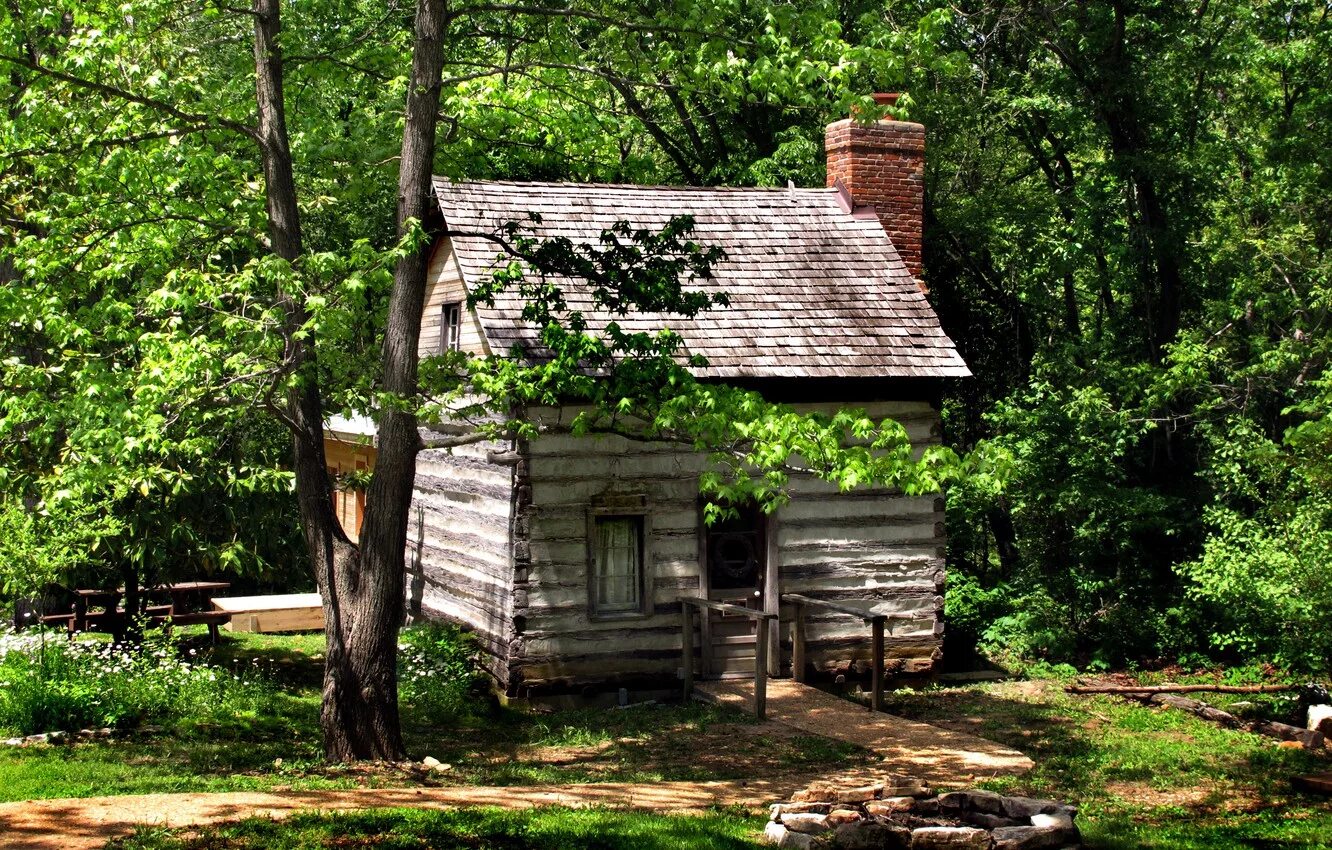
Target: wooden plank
876 675
798 642
761 670
281 620
246 604
727 608
687 649
859 611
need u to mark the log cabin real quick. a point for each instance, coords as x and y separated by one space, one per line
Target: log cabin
567 556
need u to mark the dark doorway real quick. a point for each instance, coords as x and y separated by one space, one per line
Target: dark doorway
735 552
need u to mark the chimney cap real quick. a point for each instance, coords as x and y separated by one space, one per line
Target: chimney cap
887 98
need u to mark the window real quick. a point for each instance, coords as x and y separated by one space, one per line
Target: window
450 329
617 565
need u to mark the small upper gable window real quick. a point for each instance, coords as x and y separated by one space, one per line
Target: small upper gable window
450 330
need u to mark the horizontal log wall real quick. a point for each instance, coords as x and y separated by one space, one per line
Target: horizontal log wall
868 544
459 557
443 286
559 645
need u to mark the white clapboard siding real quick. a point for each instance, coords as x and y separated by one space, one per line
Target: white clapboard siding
443 286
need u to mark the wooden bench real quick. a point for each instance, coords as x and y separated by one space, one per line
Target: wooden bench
291 612
65 620
212 619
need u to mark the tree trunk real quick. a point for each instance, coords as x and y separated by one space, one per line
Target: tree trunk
360 708
361 689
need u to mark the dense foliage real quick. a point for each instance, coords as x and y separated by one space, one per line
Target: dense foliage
1128 226
1130 241
49 684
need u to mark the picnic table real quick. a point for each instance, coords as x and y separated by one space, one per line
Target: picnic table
188 599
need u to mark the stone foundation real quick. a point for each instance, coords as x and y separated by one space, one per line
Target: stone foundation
903 813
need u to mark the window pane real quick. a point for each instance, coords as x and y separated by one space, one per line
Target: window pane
450 332
617 584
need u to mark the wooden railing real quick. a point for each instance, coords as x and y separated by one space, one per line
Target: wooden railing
876 622
690 606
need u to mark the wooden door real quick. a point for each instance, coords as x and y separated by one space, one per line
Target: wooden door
735 554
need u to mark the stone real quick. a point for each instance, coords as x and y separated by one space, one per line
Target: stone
950 838
837 817
863 794
86 733
905 786
986 820
928 807
35 739
778 809
1320 719
817 792
1058 820
1021 808
808 823
975 801
1030 837
430 762
780 836
13 742
890 805
872 835
105 732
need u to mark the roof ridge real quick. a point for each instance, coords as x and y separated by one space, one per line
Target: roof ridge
567 184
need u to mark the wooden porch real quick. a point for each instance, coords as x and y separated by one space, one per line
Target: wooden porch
696 643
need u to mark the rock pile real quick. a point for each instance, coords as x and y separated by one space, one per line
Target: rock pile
902 813
57 738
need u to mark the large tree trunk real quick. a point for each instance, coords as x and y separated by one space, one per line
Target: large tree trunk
360 708
362 590
360 691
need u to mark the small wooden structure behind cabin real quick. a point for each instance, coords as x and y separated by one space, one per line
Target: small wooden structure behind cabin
568 556
349 450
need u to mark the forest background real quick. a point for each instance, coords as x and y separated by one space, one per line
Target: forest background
1128 220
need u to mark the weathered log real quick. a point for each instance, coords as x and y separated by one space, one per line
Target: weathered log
1178 689
1197 707
1307 738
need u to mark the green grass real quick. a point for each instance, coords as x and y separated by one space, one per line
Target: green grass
472 829
1142 776
279 746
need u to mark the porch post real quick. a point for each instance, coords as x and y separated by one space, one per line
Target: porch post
687 648
876 697
761 668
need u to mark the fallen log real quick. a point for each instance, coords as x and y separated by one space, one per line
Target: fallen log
1307 738
1202 709
1178 689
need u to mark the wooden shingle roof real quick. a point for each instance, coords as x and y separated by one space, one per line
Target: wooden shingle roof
815 290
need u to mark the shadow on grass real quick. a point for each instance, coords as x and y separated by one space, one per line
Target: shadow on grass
400 829
1144 776
653 743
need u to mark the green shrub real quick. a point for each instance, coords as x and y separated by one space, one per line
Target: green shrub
438 678
48 683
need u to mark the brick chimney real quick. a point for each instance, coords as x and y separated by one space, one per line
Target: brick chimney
882 165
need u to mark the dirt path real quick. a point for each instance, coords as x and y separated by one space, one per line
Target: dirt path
88 823
942 756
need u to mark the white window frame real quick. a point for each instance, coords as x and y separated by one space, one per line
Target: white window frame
595 558
450 327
